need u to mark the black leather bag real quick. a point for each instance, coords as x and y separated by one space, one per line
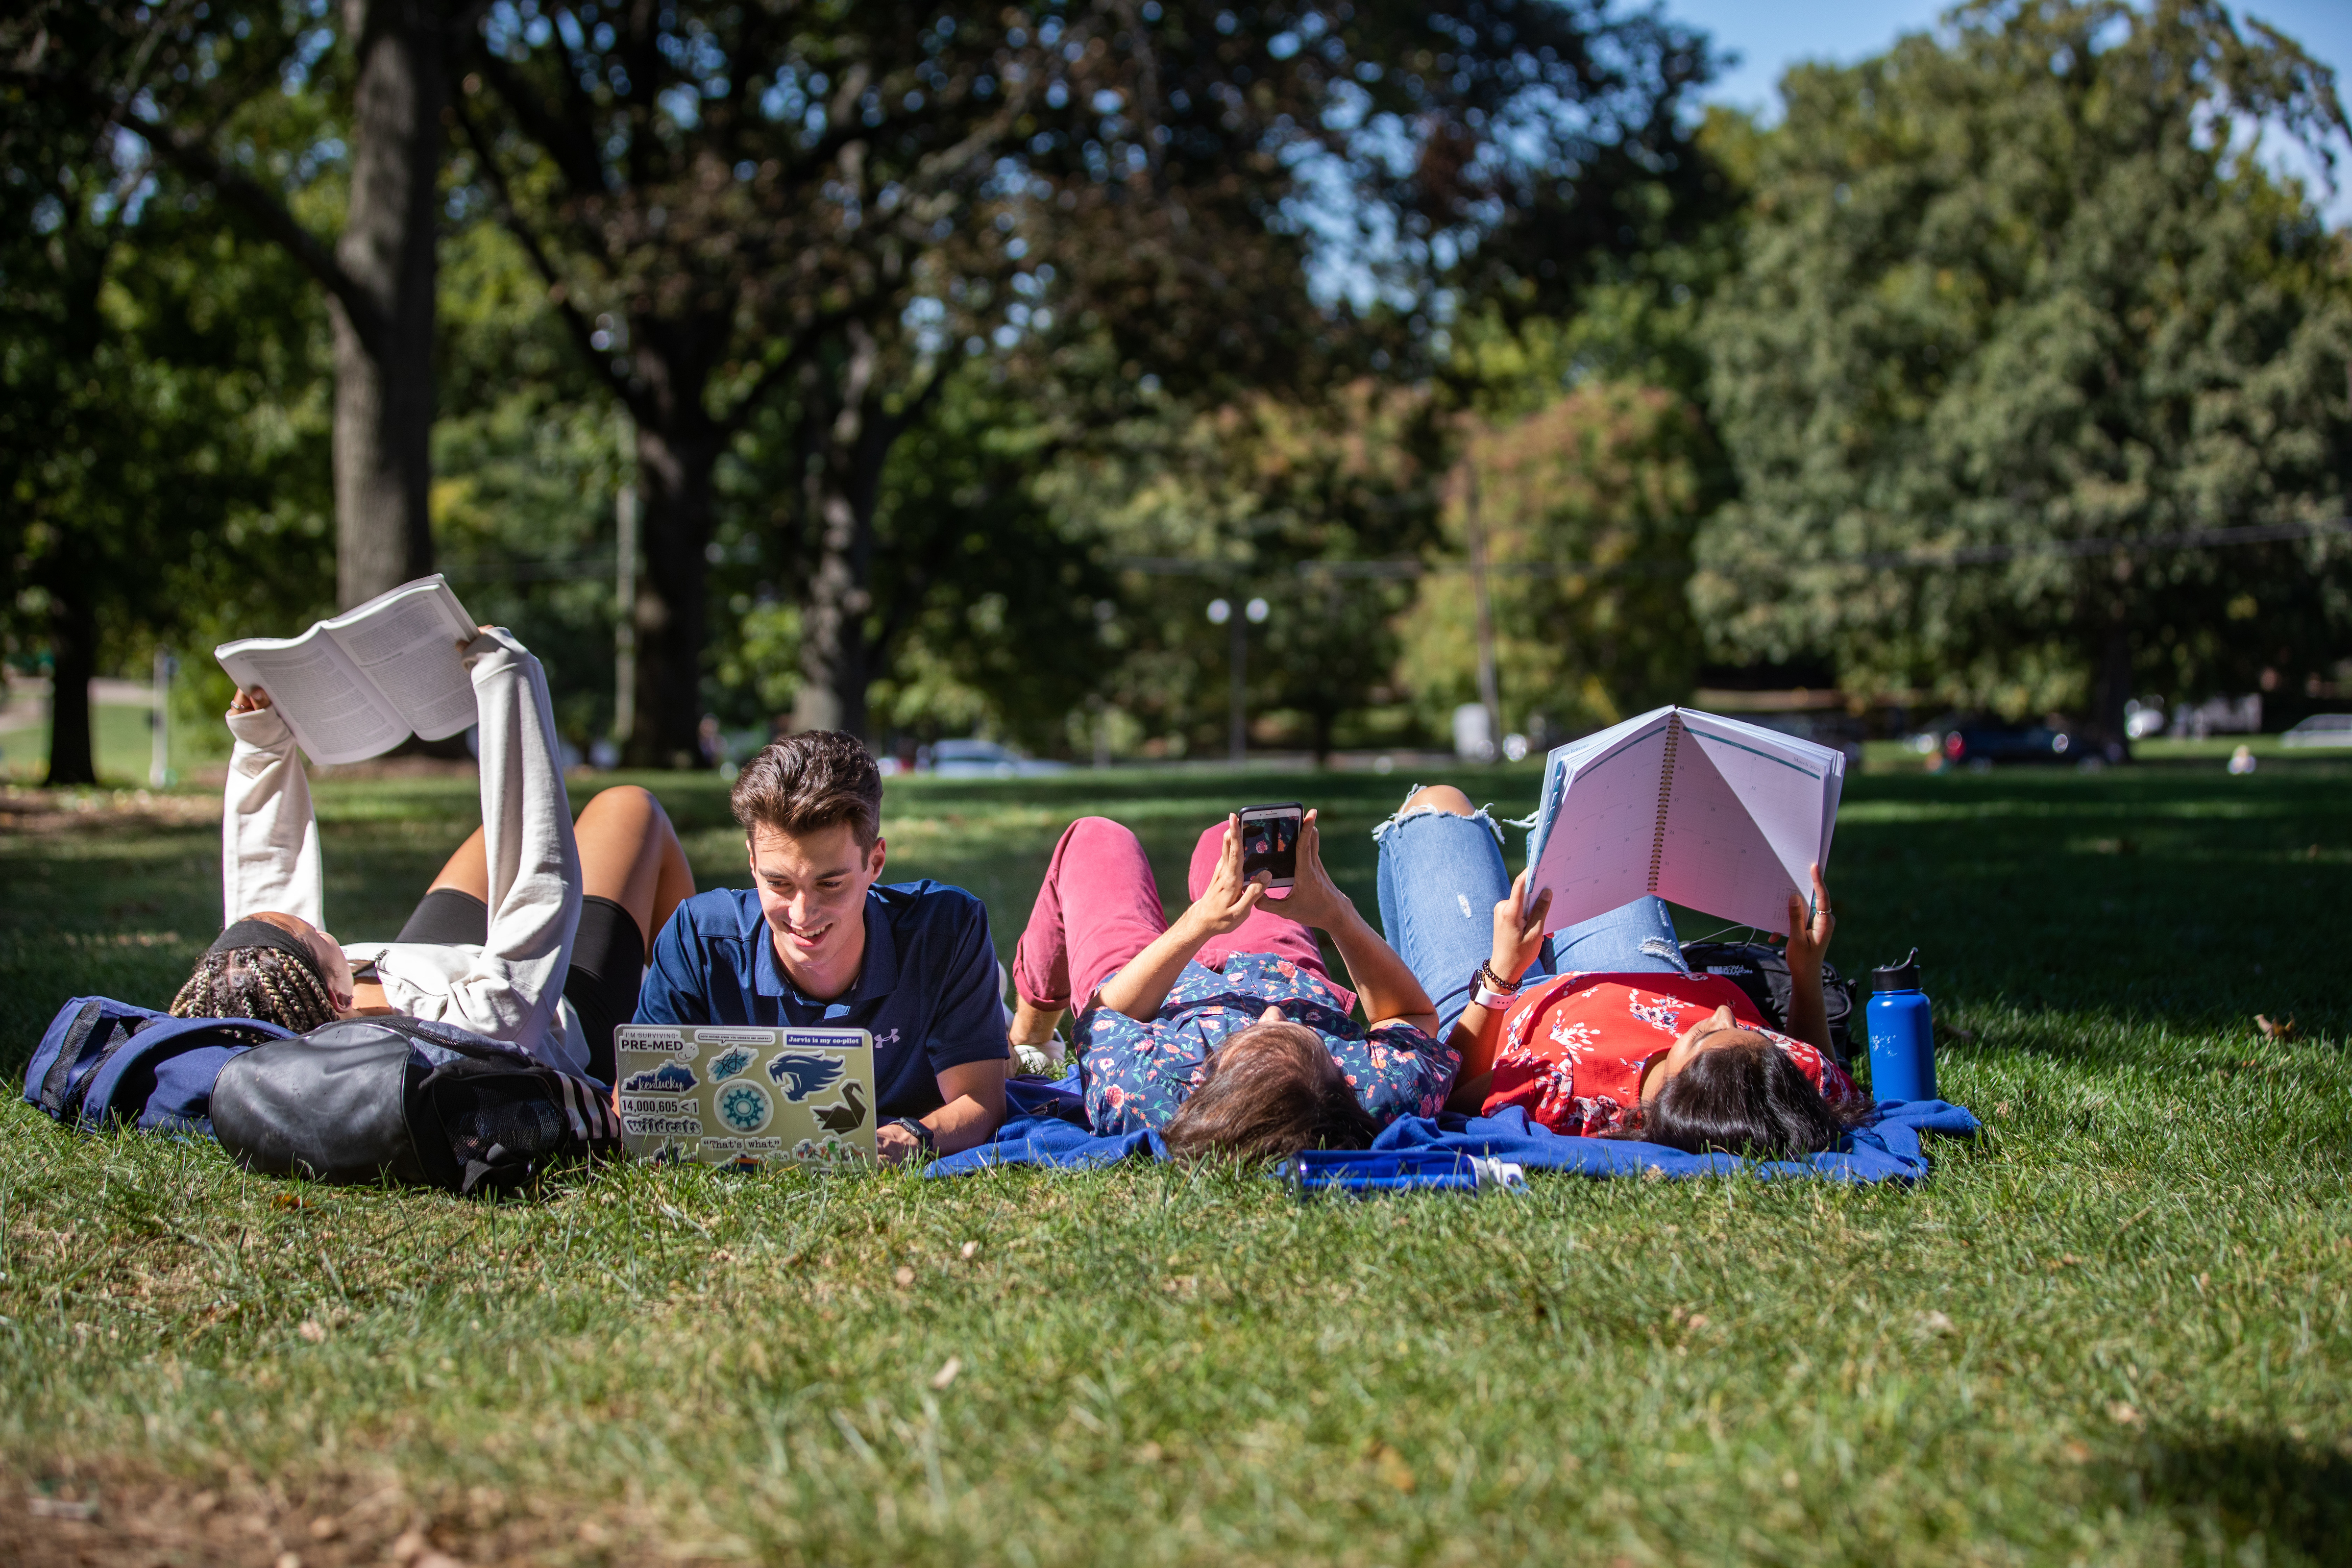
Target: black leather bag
405 1101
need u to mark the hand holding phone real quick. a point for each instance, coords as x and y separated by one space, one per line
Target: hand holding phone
1270 842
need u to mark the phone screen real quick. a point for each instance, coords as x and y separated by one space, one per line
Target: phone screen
1270 842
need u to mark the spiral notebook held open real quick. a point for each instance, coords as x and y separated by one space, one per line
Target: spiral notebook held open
1701 810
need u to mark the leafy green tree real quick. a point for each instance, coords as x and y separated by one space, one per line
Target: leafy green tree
244 100
155 452
1260 497
829 208
2026 290
1588 506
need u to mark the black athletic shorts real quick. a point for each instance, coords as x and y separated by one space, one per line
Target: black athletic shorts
608 960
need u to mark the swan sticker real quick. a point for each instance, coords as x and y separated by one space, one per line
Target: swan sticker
743 1106
670 1078
846 1117
802 1073
730 1062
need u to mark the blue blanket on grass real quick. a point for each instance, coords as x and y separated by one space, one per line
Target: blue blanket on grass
1040 1131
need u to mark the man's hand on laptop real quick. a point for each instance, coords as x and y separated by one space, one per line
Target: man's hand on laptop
893 1143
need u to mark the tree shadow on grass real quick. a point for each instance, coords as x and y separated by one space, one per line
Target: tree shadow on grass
2238 1486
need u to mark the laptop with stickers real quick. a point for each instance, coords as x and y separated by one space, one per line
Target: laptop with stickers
733 1095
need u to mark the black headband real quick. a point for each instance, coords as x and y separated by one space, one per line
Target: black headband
250 933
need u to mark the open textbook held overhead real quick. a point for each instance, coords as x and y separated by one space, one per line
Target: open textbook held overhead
1703 811
358 684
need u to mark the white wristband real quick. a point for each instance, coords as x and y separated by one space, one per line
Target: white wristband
1495 1001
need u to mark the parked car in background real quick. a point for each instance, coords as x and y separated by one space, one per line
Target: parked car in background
2321 730
978 759
1983 743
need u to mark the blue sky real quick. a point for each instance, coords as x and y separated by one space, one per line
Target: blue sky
1772 35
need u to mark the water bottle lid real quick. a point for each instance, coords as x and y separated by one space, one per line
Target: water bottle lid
1903 976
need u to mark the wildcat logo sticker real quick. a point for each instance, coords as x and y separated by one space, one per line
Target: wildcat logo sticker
802 1073
670 1078
730 1062
743 1106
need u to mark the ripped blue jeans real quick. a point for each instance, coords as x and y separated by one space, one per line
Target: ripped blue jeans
1441 876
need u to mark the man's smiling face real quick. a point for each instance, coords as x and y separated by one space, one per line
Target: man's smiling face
811 890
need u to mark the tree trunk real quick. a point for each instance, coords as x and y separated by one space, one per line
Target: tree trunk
2111 688
842 489
675 480
383 365
73 653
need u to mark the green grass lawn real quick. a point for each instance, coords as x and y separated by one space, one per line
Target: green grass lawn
2116 1328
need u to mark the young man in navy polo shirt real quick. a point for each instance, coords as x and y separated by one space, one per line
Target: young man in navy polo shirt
814 940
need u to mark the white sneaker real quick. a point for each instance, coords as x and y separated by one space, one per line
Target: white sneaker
1049 1060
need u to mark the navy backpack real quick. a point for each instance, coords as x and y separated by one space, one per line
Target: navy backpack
105 1063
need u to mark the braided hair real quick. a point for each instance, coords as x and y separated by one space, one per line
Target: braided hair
256 983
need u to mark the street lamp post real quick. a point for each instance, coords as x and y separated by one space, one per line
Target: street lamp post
1221 614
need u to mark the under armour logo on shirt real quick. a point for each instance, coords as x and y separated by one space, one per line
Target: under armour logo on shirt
890 1039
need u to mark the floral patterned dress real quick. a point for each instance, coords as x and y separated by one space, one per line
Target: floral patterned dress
1574 1048
1136 1073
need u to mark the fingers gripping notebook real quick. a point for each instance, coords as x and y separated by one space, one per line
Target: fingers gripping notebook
1701 810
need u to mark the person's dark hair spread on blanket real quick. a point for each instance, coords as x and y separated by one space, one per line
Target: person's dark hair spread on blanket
533 933
1613 1035
1223 1030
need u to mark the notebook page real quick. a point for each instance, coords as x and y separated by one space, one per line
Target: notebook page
1598 836
334 714
1717 857
406 642
1790 787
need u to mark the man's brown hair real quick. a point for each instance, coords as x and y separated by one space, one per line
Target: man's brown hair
1281 1092
808 782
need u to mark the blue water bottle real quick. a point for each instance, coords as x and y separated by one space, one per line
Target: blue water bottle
1902 1034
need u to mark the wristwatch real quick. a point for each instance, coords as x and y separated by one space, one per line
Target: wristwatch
920 1133
1489 990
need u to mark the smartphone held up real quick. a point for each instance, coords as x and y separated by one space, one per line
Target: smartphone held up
1270 842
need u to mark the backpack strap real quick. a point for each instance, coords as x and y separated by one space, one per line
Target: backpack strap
75 1099
54 1087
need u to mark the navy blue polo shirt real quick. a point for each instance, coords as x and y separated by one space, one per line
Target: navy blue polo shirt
927 989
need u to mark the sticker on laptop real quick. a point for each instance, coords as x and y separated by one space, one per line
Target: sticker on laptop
799 1074
743 1106
730 1062
670 1078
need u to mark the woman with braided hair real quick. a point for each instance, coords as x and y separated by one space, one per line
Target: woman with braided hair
533 933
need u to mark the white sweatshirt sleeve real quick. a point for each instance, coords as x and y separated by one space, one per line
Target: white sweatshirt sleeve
269 839
510 987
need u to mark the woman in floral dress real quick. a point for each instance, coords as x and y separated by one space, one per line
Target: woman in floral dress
1223 1031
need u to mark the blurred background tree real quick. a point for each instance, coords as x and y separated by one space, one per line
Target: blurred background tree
160 426
2031 290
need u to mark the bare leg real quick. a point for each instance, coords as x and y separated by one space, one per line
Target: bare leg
1438 797
630 853
468 870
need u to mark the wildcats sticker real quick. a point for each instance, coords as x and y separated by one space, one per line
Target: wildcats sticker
666 1126
670 1078
743 1106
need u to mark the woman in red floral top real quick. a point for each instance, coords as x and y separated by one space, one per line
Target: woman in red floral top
1609 1034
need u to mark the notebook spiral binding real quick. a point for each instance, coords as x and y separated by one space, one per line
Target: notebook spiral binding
1665 796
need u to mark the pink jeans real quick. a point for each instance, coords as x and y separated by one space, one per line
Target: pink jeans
1100 906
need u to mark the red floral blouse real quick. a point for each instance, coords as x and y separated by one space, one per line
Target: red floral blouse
1573 1047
